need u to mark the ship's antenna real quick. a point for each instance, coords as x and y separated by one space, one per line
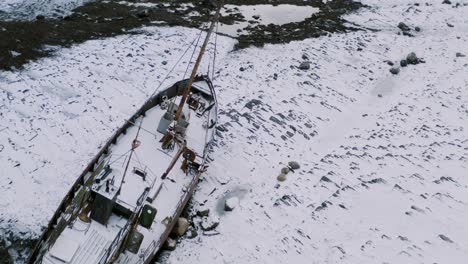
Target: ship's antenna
197 63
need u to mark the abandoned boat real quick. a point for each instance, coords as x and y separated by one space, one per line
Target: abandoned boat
125 204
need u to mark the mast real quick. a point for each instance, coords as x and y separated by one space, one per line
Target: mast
197 63
135 144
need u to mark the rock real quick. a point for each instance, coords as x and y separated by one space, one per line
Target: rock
285 170
231 203
5 257
412 58
294 165
203 212
445 238
403 63
403 27
241 69
192 233
390 63
447 2
459 55
40 17
143 14
181 226
418 29
304 65
170 244
209 223
305 57
257 17
164 62
281 177
395 70
252 103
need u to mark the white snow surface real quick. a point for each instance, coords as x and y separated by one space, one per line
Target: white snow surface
383 157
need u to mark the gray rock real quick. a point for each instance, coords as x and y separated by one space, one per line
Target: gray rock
412 58
403 27
395 70
192 233
447 2
460 55
403 63
285 170
231 203
294 165
418 29
209 223
164 62
304 65
281 177
143 14
181 226
445 238
170 244
203 212
390 63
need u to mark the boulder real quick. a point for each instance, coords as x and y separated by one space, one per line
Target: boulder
403 63
447 2
460 55
192 233
412 58
294 165
143 14
170 244
181 226
209 223
304 65
445 238
403 27
231 203
395 70
203 212
281 177
285 170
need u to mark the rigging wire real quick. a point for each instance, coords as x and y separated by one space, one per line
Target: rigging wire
173 67
215 51
193 53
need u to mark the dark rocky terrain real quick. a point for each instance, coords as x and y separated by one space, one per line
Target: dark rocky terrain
23 41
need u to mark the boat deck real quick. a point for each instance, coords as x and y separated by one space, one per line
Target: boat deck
89 242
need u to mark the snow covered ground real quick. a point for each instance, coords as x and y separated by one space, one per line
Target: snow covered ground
29 9
383 157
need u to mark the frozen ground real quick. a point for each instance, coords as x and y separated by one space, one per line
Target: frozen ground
29 9
383 157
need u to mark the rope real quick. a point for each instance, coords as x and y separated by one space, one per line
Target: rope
193 53
121 156
173 67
